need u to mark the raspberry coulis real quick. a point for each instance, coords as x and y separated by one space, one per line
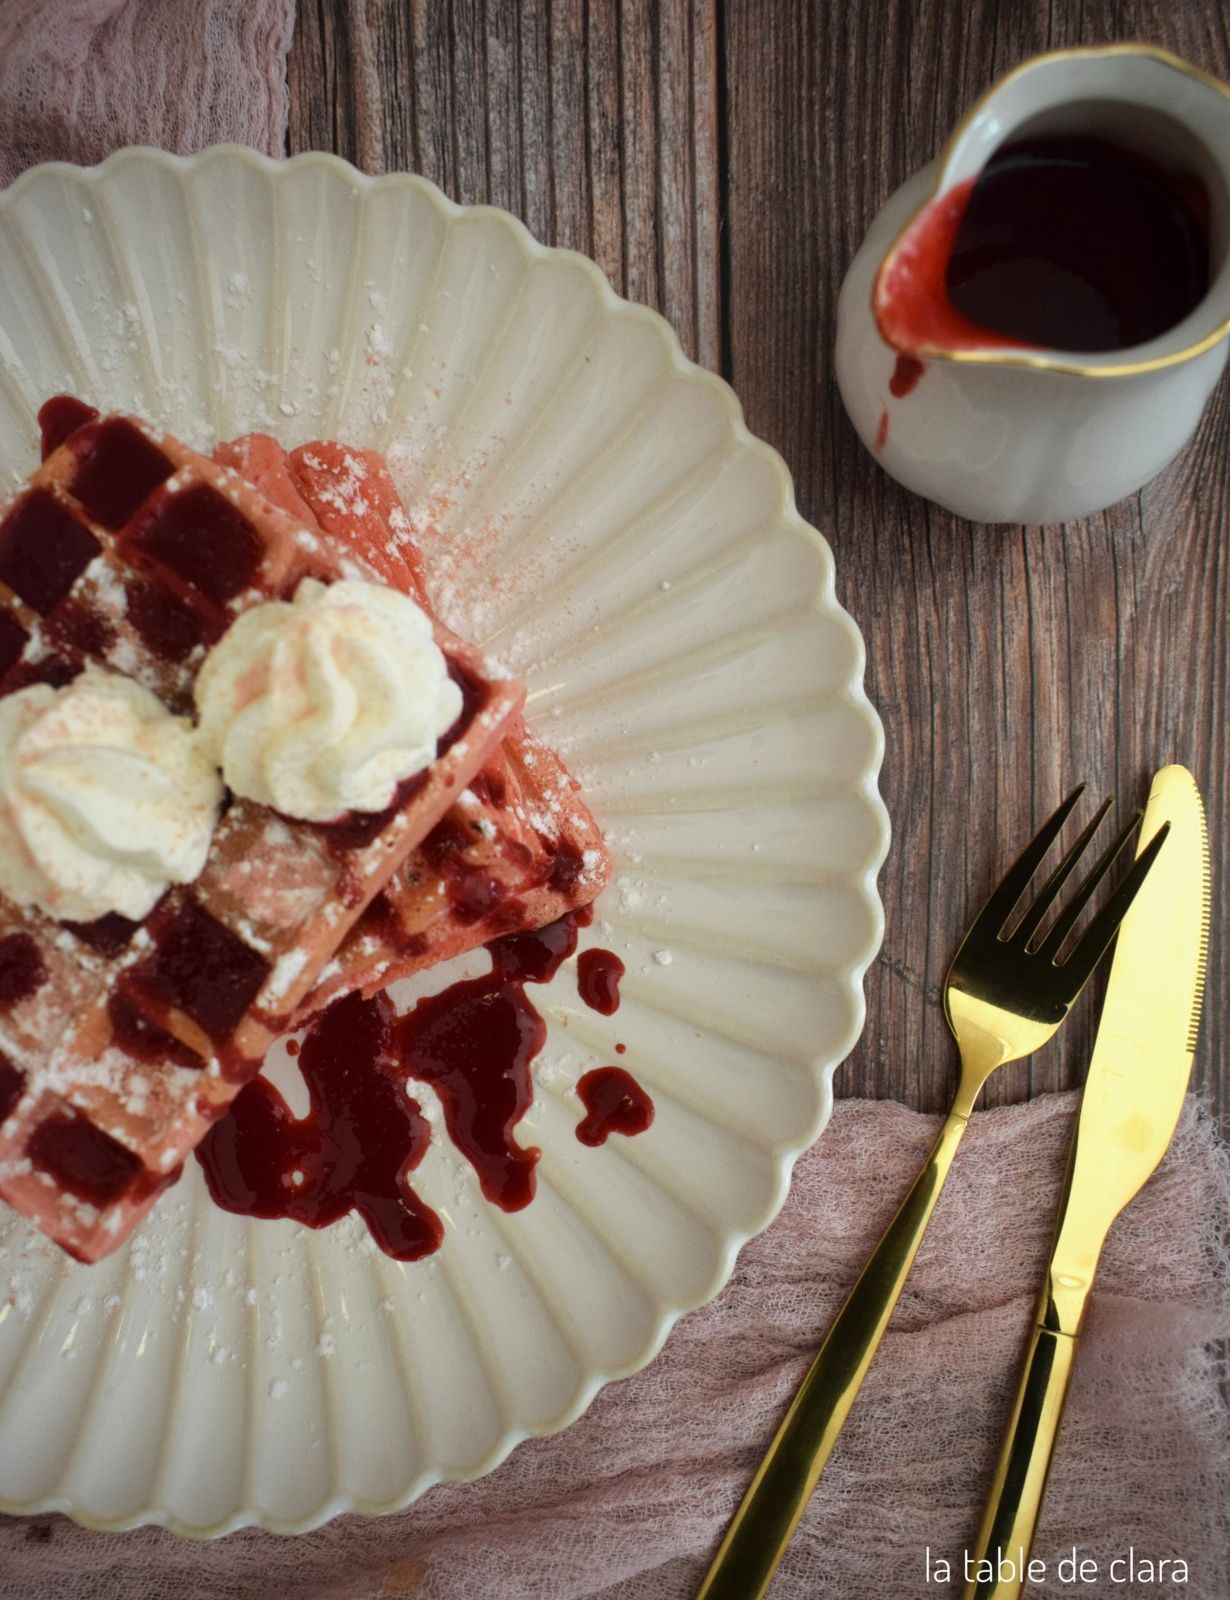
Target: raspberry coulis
364 1133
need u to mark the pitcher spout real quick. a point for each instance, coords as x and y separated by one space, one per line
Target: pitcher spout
1078 221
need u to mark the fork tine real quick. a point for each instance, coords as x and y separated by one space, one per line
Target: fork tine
1031 921
1067 918
1097 936
1016 880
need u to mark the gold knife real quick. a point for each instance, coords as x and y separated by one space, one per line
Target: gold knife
1138 1076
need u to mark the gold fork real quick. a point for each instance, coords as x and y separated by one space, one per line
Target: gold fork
1007 991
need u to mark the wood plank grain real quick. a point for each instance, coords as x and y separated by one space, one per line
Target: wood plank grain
1007 663
594 121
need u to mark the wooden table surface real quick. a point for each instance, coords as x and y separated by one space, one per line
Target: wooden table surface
721 160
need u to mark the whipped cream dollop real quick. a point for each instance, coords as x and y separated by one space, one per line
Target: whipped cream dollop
106 798
326 704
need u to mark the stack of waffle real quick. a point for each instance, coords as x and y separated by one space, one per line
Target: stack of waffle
121 1042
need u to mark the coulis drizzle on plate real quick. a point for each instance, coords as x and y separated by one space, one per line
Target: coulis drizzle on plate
365 1133
614 1103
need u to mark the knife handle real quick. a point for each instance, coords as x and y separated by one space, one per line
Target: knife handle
1007 1533
765 1521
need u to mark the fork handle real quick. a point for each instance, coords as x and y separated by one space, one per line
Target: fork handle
765 1521
1007 1533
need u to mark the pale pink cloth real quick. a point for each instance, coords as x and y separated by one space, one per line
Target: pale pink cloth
80 78
629 1502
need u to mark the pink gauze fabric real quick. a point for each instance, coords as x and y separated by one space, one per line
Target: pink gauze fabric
629 1503
80 78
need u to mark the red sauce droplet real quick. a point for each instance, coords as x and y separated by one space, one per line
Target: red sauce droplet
353 1151
598 975
620 1048
906 373
59 417
614 1103
882 431
292 1048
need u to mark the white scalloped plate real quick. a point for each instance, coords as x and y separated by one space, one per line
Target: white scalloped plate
601 518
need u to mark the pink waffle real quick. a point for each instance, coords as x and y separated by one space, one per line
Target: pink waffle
119 1042
519 847
516 850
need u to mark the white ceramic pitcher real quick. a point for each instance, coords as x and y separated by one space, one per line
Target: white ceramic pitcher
1023 434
